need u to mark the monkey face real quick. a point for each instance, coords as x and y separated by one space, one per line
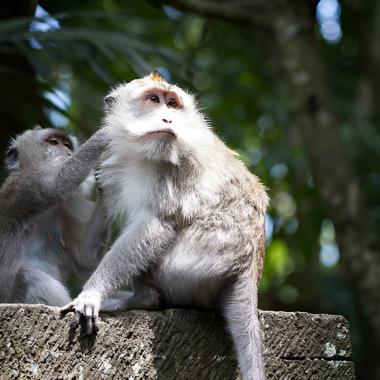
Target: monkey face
59 144
39 146
154 118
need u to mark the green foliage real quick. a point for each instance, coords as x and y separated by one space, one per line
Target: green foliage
66 71
84 51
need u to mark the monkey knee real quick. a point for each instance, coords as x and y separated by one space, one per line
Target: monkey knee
33 286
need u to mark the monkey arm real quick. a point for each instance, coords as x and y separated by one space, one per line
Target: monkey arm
27 194
136 249
133 252
75 170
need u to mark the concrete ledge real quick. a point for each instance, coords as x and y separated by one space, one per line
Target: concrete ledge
173 344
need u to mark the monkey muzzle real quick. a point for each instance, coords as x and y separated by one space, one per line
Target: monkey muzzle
160 134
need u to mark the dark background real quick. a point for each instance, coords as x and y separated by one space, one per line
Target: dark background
293 86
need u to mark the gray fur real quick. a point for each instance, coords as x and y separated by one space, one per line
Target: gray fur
45 218
195 230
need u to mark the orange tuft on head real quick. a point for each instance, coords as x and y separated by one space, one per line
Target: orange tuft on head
156 76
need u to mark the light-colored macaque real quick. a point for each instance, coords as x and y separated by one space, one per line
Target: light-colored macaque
194 235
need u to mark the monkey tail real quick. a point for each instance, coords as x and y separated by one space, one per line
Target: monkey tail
240 311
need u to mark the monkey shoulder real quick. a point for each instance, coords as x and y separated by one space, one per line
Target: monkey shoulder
243 190
240 183
23 197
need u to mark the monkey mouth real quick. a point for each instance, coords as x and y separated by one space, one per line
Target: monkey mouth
166 134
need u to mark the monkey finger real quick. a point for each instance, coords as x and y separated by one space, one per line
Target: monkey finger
77 308
77 317
88 326
95 322
88 311
67 309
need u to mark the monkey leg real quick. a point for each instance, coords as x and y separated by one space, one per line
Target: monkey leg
240 311
144 297
33 285
117 302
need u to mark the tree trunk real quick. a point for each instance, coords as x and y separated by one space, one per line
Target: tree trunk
337 183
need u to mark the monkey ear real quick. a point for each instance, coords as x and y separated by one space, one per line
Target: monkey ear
109 100
11 159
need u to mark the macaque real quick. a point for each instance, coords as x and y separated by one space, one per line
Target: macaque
50 233
194 235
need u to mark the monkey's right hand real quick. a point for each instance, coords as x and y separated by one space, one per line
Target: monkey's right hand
86 310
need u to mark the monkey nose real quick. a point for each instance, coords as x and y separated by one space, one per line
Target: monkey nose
166 121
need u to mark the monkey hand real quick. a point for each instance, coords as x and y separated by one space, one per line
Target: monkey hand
86 310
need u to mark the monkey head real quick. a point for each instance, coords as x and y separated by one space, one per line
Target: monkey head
154 119
37 146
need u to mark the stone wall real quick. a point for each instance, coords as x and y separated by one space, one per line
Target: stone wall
172 344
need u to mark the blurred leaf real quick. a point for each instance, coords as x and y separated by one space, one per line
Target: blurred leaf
277 260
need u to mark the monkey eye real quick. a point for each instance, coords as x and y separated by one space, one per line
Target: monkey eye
154 98
68 145
52 141
172 103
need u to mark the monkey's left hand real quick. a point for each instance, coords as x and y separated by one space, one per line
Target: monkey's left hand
86 308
